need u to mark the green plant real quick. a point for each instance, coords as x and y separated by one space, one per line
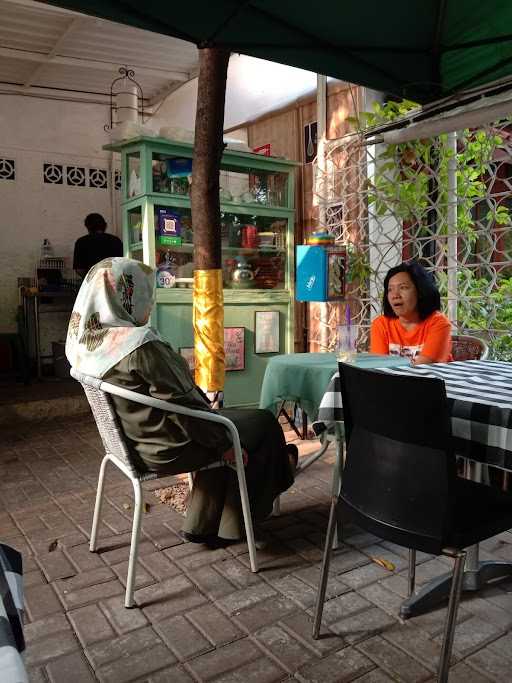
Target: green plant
411 177
477 307
358 265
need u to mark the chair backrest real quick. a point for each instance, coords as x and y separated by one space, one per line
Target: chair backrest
111 433
467 347
400 470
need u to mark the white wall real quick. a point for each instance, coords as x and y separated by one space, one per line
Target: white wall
35 131
254 87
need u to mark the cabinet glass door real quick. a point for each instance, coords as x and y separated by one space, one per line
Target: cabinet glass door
133 175
253 251
134 229
174 251
253 186
172 174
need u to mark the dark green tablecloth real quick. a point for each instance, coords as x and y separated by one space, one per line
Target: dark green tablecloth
304 377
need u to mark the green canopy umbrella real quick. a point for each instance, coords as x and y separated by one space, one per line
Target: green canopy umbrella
419 49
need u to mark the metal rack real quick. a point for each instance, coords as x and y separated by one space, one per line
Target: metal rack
37 302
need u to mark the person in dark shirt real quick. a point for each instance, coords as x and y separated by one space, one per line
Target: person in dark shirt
96 246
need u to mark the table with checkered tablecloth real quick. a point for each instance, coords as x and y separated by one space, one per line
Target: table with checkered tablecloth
12 643
480 402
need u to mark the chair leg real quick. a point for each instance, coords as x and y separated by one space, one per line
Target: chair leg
190 478
411 577
276 509
320 598
246 510
98 505
451 617
134 545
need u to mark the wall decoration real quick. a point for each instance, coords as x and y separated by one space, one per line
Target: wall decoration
310 141
53 174
266 332
234 348
188 354
7 169
117 179
98 178
336 266
75 175
263 149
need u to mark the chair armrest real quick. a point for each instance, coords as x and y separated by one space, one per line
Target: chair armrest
108 388
175 408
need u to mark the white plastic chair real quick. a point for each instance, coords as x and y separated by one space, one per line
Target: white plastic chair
118 453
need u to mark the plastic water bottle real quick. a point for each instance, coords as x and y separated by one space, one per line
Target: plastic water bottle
46 249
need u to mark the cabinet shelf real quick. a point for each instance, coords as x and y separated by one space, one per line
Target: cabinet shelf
189 247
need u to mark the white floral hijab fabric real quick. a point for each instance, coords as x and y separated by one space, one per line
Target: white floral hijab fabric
110 315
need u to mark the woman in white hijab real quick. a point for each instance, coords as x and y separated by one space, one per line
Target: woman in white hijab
109 336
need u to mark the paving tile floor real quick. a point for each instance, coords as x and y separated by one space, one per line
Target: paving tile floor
202 615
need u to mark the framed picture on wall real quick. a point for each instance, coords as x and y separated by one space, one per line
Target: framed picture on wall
234 348
310 141
188 354
266 332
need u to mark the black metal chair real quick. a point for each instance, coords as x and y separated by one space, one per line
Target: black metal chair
400 482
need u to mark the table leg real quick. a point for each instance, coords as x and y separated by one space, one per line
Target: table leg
304 425
336 480
37 338
292 424
476 573
304 464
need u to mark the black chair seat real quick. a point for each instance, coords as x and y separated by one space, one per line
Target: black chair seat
480 512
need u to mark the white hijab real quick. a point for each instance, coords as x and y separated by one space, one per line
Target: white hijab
110 315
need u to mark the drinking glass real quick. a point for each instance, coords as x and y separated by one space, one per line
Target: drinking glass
346 343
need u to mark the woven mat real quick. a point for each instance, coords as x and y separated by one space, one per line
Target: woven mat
176 496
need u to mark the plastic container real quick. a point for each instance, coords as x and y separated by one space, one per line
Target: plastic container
46 249
266 239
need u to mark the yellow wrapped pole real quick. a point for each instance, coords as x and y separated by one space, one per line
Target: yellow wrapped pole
208 321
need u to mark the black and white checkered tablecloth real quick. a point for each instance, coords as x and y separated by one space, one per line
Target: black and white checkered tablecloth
480 401
12 643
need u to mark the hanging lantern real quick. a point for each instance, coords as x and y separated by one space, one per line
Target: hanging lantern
125 94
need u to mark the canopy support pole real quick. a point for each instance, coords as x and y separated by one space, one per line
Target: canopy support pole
451 265
321 118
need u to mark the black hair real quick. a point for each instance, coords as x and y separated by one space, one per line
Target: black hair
95 222
429 299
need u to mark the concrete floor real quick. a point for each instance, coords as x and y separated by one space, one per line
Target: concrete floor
201 615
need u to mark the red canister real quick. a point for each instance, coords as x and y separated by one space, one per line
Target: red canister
250 237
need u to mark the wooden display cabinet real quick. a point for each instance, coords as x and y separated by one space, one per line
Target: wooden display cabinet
257 217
